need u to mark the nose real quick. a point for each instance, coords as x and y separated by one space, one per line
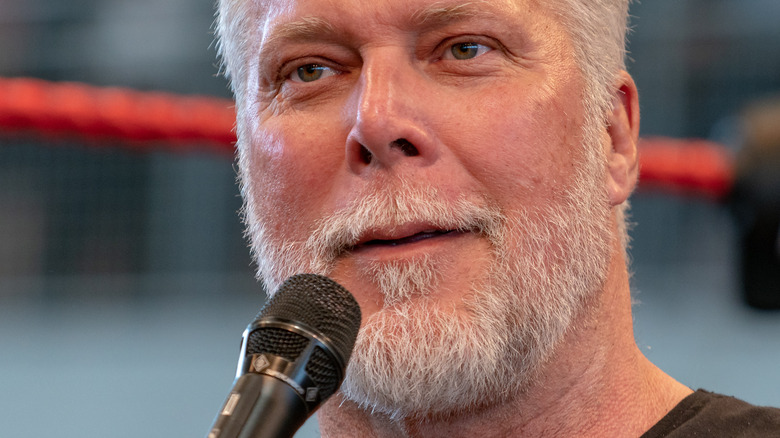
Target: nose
390 122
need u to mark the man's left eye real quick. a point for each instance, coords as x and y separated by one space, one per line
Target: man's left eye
467 50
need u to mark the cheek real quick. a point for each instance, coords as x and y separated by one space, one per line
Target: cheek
291 171
523 147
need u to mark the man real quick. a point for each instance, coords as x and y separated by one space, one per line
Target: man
462 167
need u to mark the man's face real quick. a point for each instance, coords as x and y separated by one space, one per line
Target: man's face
424 155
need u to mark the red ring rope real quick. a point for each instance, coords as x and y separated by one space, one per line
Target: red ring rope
74 109
690 166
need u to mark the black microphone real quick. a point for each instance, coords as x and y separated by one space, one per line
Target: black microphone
293 357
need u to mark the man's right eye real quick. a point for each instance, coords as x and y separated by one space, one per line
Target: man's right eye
311 73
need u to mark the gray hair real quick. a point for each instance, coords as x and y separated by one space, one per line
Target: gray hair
598 30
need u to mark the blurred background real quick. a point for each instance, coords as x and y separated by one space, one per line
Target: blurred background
125 282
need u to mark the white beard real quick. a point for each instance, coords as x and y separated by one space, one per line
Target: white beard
415 358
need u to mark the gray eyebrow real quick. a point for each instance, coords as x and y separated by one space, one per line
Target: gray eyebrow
302 29
437 14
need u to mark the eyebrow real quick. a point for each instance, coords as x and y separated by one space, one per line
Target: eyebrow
303 29
437 15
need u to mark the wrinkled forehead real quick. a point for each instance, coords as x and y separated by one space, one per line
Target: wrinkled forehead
397 12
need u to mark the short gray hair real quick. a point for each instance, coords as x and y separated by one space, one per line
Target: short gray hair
598 31
234 36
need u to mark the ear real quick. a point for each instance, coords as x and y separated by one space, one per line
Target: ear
623 131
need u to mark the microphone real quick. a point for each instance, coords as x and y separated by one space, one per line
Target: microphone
293 357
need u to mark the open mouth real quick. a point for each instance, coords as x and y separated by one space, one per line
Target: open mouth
423 235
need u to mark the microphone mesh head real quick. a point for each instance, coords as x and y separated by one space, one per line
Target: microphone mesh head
323 305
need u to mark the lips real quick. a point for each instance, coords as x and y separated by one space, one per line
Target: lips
417 237
401 236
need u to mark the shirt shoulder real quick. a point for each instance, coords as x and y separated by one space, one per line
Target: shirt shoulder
706 414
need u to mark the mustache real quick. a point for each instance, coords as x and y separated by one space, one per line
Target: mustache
393 206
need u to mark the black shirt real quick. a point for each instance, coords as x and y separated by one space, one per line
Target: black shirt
704 414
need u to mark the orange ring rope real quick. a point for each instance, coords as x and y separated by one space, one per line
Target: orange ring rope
142 119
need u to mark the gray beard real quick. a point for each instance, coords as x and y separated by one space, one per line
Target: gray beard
416 358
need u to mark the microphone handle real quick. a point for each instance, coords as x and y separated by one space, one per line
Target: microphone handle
260 406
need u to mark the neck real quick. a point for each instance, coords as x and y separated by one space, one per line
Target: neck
597 384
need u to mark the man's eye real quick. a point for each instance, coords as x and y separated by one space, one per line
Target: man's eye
467 50
311 73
